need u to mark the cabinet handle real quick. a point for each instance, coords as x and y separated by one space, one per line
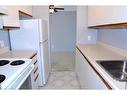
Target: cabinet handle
35 62
36 78
35 70
33 55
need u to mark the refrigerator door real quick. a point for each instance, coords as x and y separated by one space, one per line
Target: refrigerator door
46 67
43 30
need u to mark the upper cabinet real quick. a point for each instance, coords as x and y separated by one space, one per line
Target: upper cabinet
107 16
11 20
25 11
3 11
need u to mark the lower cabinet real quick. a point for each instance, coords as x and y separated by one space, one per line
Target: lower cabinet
87 76
35 74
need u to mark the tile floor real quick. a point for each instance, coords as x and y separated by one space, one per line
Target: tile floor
63 75
63 61
62 80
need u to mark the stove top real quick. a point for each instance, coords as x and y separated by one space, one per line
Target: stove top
11 69
17 62
4 62
2 78
13 63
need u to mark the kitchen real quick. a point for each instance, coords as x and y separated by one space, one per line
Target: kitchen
100 35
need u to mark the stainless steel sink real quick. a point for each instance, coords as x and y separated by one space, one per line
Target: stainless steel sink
116 69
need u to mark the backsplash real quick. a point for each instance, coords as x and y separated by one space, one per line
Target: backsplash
82 29
4 36
114 37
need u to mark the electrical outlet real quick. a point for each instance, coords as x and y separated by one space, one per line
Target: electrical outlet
89 38
1 43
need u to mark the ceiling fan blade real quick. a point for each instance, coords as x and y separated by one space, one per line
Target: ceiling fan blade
59 8
55 10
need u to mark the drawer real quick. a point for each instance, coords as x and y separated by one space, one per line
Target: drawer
35 81
35 78
34 59
35 63
35 71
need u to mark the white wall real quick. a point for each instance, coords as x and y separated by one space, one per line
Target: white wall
82 31
4 36
41 12
114 37
63 31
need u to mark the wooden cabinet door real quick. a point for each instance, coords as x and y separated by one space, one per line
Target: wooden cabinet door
26 9
12 19
102 15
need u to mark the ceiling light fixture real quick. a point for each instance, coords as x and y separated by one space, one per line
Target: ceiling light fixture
51 9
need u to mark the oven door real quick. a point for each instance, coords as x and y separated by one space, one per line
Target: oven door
27 84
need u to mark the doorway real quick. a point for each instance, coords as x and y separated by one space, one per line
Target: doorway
63 40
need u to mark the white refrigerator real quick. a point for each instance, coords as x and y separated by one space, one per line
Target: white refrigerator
33 35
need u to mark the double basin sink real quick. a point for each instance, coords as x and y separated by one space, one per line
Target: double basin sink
117 69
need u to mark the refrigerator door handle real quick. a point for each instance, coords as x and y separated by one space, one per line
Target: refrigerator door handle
43 42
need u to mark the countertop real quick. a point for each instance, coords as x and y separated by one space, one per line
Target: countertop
99 52
18 54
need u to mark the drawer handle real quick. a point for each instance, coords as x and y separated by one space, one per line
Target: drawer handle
35 62
36 78
35 70
33 56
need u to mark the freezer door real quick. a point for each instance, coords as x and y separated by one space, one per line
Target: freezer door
43 30
46 66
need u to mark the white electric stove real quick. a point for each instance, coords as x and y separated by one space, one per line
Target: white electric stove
13 72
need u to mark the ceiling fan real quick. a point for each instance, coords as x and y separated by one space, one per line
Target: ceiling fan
53 9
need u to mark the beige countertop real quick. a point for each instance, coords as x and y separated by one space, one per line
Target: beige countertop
18 54
99 52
